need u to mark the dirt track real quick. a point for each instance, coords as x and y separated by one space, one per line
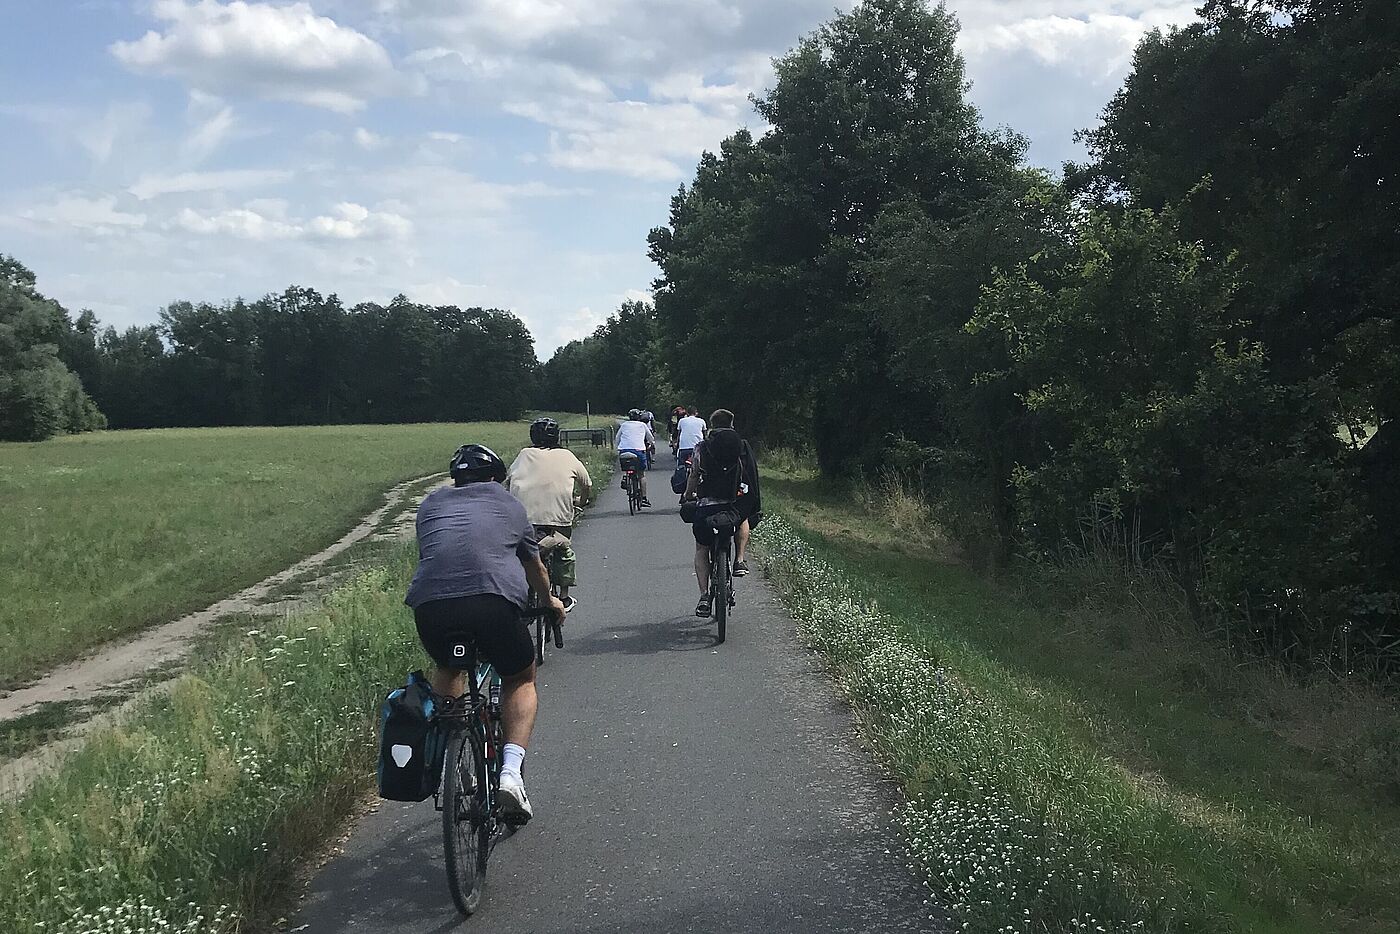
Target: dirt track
118 666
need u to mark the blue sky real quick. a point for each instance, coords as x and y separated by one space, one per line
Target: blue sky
507 153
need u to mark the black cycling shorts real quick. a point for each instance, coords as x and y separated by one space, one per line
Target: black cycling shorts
488 620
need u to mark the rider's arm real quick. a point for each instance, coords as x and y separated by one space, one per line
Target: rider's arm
692 482
538 577
585 484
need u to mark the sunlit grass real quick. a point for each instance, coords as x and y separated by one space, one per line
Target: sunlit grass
105 534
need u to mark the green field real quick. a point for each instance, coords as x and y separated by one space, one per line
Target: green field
105 534
1118 769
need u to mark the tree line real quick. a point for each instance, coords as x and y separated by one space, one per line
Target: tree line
1184 351
292 358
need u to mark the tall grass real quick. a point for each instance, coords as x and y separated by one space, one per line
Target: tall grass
1066 708
985 814
189 816
107 533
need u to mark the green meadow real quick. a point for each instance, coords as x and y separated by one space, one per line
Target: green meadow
108 533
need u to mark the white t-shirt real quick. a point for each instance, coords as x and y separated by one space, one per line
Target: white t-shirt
634 436
692 429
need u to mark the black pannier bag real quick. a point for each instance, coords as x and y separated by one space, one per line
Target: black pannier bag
411 747
680 477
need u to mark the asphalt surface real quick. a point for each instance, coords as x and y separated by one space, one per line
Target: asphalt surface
678 785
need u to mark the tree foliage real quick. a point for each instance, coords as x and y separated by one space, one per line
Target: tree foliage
39 395
1179 349
292 358
614 369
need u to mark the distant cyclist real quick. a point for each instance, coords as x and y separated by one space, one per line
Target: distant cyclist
678 412
545 478
477 562
634 437
724 476
691 429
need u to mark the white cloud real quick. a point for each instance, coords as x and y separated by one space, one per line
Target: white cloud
266 220
208 136
366 139
242 223
100 136
278 52
94 215
654 141
151 186
1098 45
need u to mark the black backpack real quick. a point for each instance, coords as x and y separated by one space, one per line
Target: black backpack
411 748
720 470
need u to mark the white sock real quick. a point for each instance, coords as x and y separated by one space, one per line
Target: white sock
511 758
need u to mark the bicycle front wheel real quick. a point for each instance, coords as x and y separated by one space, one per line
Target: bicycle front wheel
466 824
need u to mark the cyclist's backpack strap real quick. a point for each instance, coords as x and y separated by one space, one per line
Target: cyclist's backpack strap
411 748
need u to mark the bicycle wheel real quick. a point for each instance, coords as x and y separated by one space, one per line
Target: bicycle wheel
719 587
466 824
632 497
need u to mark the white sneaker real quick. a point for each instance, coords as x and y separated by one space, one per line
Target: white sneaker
512 801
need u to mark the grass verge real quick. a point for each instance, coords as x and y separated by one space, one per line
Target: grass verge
1069 765
197 806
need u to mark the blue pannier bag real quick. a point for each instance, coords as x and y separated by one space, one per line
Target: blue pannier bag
411 747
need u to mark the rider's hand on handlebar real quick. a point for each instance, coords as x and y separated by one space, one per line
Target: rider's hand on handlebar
557 606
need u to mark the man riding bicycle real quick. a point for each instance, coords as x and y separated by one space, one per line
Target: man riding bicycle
478 559
544 478
724 477
636 439
691 429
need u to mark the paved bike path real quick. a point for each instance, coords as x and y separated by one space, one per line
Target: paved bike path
678 786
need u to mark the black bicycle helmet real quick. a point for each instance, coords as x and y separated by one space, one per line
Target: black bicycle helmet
634 415
476 462
544 433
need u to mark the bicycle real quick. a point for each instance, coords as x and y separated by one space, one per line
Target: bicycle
546 625
632 484
471 825
721 578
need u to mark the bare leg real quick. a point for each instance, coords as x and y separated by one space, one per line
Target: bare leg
519 703
642 476
702 568
741 540
448 682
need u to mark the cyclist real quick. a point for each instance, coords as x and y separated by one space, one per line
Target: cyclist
544 478
477 562
724 476
678 412
650 419
634 437
691 429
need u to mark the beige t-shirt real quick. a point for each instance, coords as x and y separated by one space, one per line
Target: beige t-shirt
543 479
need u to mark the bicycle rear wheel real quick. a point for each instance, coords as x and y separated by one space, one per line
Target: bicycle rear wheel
466 820
719 587
632 496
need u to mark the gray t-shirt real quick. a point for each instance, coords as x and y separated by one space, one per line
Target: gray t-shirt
471 540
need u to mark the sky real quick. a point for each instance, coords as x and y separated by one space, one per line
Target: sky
501 153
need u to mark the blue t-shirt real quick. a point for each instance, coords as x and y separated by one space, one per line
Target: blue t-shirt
471 540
